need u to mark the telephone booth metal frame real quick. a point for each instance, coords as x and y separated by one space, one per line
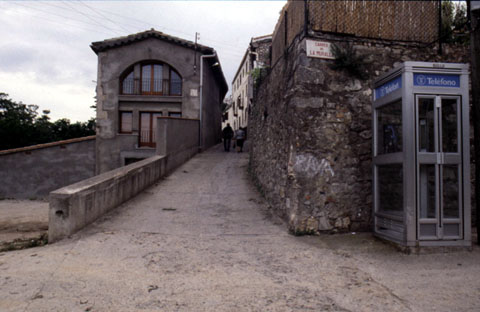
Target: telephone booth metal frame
421 155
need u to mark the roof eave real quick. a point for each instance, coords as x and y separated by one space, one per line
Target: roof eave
100 46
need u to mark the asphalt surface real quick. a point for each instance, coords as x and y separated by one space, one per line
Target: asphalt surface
203 239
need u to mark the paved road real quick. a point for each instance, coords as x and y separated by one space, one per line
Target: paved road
203 240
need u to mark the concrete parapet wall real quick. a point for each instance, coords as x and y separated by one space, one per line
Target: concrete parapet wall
77 205
177 140
34 171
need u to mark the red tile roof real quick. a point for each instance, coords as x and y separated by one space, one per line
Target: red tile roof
100 46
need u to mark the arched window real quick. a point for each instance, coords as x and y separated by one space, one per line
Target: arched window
128 84
175 83
152 80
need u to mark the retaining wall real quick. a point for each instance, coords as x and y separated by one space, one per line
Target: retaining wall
34 171
310 132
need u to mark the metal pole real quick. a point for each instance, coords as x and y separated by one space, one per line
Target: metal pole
200 144
440 27
195 55
475 63
305 24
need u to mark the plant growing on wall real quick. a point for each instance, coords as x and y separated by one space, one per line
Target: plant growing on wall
258 74
347 58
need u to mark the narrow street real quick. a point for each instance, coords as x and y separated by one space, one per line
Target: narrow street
203 240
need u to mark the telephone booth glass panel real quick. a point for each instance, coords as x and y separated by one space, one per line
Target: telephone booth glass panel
421 164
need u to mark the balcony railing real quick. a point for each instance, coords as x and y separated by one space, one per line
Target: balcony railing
131 86
147 138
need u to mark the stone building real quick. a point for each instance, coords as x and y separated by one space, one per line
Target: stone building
256 56
148 75
310 125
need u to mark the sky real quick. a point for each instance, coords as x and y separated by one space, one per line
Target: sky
45 54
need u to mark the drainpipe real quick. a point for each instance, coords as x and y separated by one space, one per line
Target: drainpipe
440 35
200 145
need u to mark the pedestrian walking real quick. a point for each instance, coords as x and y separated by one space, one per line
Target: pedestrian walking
227 134
240 138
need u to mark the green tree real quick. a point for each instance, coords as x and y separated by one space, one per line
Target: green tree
16 123
454 22
43 129
21 125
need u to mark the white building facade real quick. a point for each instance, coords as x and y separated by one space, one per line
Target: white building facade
257 55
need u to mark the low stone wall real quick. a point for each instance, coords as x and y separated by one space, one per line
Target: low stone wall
177 140
77 205
34 171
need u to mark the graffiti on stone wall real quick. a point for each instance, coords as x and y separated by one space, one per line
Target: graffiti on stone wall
311 166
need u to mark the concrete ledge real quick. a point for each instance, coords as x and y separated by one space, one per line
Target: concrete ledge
178 158
177 139
46 145
77 205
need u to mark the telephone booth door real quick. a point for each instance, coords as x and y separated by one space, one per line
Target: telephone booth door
421 155
439 167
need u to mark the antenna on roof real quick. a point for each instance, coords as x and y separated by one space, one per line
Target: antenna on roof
197 37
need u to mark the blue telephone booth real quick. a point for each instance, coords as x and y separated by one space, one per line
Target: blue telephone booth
421 155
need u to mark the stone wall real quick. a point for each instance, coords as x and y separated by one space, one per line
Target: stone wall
311 133
262 49
34 171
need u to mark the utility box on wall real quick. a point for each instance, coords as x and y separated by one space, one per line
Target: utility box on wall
421 155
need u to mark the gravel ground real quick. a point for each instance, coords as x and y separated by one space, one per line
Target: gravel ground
22 220
203 240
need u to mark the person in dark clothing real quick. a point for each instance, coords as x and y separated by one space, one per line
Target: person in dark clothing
227 134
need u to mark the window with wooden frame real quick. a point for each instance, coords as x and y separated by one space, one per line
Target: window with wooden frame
148 128
152 80
175 83
128 84
125 122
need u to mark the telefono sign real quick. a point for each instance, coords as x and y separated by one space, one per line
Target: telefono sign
388 87
436 80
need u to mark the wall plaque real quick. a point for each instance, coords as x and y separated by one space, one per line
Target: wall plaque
319 49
